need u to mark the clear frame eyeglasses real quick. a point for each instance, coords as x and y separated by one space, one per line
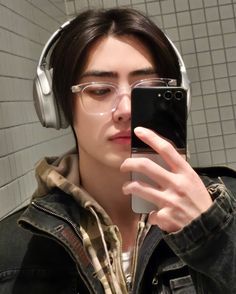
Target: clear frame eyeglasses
101 98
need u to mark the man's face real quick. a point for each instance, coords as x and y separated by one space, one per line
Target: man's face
105 139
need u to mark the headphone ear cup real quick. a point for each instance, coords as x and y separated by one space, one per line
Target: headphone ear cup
46 106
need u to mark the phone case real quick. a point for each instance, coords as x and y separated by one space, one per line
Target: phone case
140 205
152 108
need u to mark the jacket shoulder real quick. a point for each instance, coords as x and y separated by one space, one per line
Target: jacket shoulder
10 232
12 240
216 171
19 248
218 174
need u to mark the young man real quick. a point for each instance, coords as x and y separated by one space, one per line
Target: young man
81 234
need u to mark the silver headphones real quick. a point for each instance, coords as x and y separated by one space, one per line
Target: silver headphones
48 110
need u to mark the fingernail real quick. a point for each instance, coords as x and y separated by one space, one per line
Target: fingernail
140 130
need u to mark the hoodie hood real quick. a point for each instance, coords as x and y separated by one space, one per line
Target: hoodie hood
51 172
63 173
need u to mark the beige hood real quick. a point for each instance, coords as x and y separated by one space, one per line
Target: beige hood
63 172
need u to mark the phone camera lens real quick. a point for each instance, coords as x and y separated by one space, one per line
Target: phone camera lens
168 95
178 95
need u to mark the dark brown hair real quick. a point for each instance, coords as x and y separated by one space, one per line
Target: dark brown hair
70 53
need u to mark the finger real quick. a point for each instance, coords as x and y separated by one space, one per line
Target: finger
165 221
166 150
149 193
149 168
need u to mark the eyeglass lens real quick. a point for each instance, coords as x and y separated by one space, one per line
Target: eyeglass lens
103 98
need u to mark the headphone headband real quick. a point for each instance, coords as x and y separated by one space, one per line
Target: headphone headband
185 83
51 41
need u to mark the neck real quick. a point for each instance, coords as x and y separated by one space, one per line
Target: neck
104 184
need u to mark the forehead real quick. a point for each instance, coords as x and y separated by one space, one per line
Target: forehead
118 53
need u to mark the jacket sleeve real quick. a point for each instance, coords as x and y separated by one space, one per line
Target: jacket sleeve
208 243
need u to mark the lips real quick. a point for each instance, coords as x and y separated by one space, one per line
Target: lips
121 137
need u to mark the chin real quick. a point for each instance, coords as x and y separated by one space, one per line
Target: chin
115 160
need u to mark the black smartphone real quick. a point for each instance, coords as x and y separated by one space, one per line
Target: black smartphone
163 110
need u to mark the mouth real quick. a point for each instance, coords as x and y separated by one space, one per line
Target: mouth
122 138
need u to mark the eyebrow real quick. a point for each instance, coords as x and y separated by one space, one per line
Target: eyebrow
112 74
143 71
99 73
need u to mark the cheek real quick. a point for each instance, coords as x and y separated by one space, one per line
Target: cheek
85 128
81 122
89 129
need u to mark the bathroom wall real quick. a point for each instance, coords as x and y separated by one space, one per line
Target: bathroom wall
24 28
203 30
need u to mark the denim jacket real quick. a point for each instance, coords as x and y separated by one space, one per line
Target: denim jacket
49 254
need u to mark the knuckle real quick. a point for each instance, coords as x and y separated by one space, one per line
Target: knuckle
180 184
179 187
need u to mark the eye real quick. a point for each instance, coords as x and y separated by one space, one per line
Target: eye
99 91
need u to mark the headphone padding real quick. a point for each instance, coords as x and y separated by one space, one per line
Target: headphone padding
47 108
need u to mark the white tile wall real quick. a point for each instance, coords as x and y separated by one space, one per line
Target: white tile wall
25 25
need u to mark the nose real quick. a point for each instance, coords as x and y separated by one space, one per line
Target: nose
122 112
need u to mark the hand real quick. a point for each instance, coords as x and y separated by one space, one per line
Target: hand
179 193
